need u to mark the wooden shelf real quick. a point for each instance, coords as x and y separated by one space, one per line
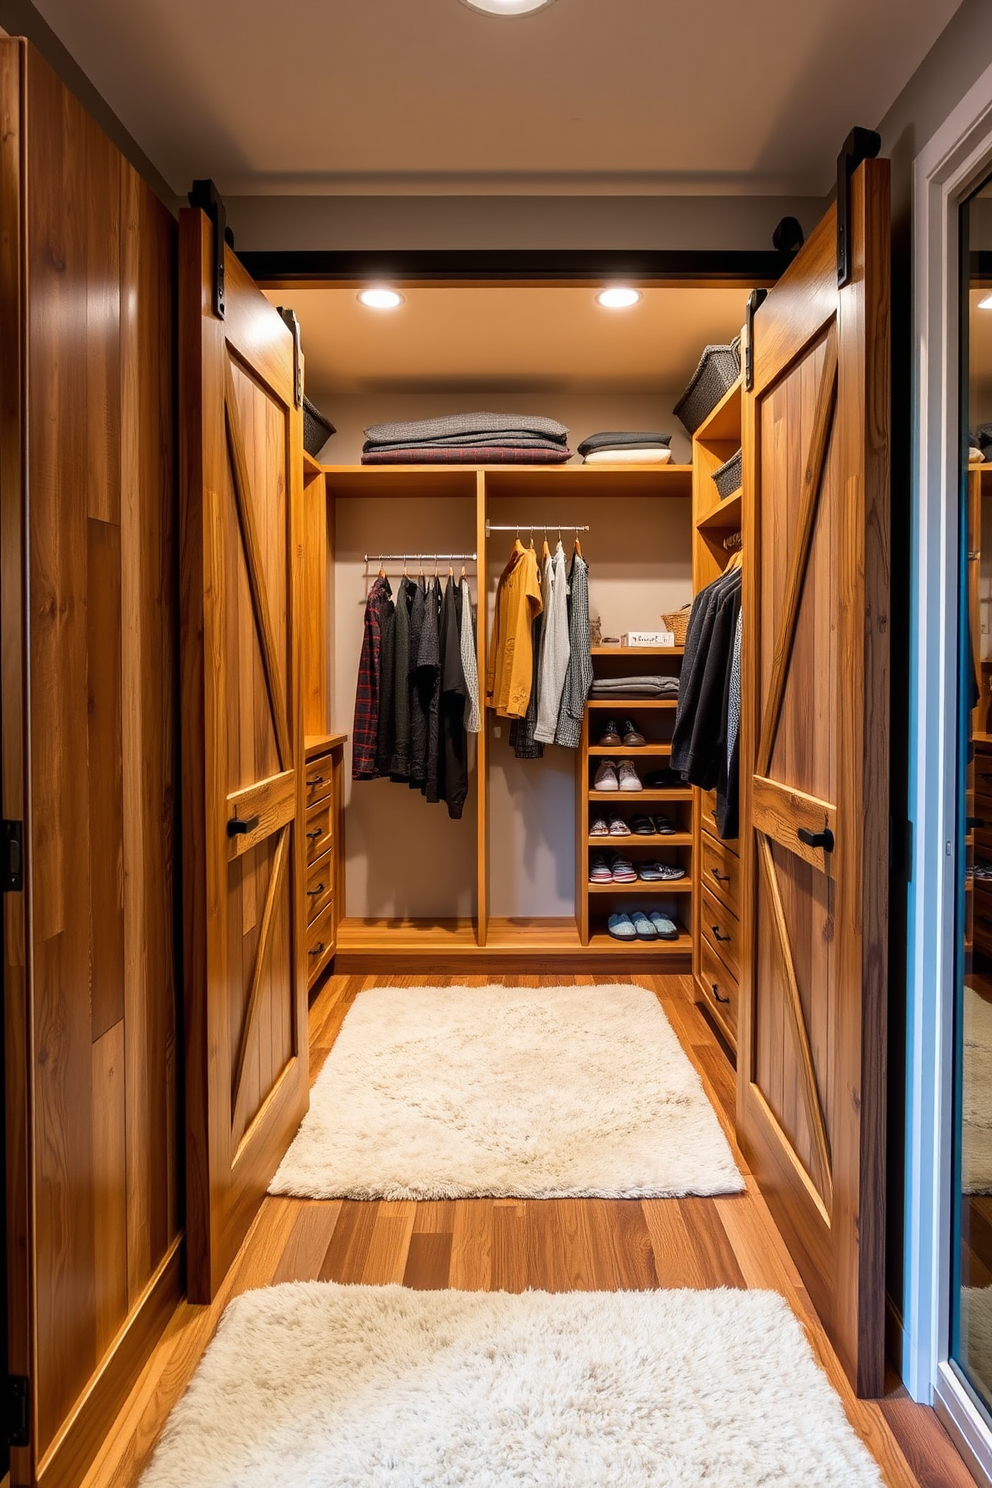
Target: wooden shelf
632 703
671 886
601 940
725 420
416 481
311 467
631 752
669 793
629 651
640 839
724 516
321 743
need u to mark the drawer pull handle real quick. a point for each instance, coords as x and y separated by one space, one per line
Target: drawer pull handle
317 780
716 933
716 993
318 832
720 877
314 892
824 839
316 950
238 828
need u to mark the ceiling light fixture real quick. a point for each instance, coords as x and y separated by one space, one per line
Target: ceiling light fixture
507 7
381 299
985 303
618 297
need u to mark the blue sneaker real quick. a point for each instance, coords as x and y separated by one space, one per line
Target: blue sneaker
621 927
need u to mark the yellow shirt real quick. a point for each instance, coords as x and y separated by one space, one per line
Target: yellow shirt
510 672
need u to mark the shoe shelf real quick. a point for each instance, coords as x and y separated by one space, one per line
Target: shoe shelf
659 890
671 793
641 839
628 751
601 940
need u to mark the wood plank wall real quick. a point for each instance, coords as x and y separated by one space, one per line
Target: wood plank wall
98 273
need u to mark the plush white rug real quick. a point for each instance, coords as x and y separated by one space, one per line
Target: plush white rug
531 1092
326 1386
976 1137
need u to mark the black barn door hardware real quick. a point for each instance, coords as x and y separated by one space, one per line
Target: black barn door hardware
238 828
756 298
206 196
861 144
824 839
13 857
289 316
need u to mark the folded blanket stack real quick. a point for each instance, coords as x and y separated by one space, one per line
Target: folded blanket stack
468 439
635 687
626 447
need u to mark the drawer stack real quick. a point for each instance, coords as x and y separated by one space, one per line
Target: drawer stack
716 961
321 859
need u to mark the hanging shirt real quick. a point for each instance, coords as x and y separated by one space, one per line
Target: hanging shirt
554 648
399 765
453 783
429 689
470 663
578 678
522 740
510 671
728 779
378 608
418 718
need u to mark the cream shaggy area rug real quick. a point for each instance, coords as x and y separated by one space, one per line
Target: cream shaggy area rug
529 1092
326 1386
976 1137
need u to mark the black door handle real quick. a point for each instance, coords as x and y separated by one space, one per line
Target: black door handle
716 933
238 828
318 948
317 832
824 839
720 877
317 780
314 892
716 993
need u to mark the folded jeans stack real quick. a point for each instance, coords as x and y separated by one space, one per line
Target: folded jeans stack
626 447
468 439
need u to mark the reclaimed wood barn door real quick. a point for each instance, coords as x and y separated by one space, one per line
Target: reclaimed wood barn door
241 520
811 1084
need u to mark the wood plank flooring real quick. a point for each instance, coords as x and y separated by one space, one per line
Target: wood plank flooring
557 1245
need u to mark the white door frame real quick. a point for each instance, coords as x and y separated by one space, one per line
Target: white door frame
950 165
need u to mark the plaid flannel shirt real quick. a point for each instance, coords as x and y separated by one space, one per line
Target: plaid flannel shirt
366 731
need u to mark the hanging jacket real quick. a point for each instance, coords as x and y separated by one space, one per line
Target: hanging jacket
453 782
578 678
470 662
399 765
365 733
418 718
554 648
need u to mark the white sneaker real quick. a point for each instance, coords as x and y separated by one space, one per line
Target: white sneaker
629 779
606 777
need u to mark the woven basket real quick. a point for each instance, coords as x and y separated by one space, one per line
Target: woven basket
718 370
677 621
730 475
317 429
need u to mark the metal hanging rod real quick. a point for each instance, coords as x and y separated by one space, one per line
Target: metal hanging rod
420 557
535 527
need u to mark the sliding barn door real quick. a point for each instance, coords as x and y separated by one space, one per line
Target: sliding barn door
241 512
811 1084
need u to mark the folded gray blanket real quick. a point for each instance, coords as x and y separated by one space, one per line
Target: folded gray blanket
624 439
453 424
514 438
624 687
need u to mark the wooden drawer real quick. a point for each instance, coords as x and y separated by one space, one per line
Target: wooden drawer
319 829
722 930
720 871
719 990
320 943
320 779
707 811
320 885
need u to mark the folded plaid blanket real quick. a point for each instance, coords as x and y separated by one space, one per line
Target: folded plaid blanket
517 439
495 454
630 687
417 430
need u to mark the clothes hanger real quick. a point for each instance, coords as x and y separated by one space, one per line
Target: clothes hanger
405 574
382 571
735 562
545 551
578 545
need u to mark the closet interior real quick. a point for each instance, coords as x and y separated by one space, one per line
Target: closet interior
396 881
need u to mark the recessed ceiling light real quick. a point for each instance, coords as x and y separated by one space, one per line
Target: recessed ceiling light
618 297
507 7
986 303
381 299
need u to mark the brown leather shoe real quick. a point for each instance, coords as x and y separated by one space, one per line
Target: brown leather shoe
610 735
632 738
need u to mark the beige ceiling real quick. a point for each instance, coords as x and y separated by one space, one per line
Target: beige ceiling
508 339
429 95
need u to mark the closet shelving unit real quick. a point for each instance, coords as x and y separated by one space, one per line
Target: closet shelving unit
716 909
566 942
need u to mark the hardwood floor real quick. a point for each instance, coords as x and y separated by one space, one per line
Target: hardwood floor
557 1245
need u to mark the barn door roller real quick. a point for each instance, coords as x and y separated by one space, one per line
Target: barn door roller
861 144
206 196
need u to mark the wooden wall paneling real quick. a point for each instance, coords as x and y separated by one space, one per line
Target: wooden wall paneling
109 1185
18 1031
105 793
482 738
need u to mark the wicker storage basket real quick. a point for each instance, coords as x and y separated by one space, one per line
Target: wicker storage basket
677 621
718 370
317 430
730 475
